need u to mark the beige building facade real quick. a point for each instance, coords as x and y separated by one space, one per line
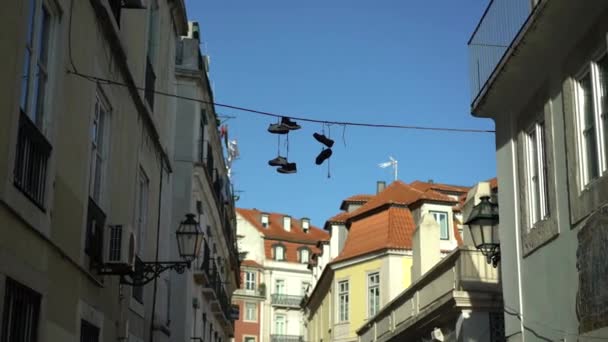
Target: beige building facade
79 154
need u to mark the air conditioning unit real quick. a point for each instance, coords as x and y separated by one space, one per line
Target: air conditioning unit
135 4
119 255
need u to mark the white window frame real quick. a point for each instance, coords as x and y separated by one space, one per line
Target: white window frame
593 71
35 102
247 338
343 294
280 319
437 213
250 281
100 142
373 293
276 254
302 259
537 200
279 286
254 314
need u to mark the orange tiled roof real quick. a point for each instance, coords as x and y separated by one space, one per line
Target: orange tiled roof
400 193
424 186
389 229
291 249
359 199
275 229
493 183
339 218
250 263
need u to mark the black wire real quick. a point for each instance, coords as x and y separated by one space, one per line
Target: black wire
275 115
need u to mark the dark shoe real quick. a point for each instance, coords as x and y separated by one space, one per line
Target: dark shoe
326 153
278 161
288 168
278 129
292 125
323 140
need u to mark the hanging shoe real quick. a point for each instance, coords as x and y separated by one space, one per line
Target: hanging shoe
278 128
292 125
323 140
288 168
326 153
278 161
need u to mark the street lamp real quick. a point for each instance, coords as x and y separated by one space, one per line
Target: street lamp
189 241
483 224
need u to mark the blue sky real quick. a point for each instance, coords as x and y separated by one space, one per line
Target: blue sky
385 61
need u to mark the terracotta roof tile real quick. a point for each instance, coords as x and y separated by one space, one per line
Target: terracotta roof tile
493 183
250 263
341 217
424 186
275 228
400 193
389 229
355 199
291 249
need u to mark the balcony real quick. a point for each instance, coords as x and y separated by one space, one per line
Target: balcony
33 152
202 267
259 293
495 32
284 300
286 338
462 280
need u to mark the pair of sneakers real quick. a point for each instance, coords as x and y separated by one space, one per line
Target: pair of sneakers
327 152
284 166
284 126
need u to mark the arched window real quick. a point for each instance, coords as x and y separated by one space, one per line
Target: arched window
279 252
304 255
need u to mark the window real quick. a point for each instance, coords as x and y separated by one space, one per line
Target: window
201 141
249 339
21 313
373 293
88 332
343 301
279 286
264 220
442 219
304 255
536 174
98 147
150 76
279 324
279 253
251 312
35 78
592 107
249 280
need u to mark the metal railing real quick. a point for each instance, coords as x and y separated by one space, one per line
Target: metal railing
150 82
285 300
33 152
138 291
96 220
498 26
286 338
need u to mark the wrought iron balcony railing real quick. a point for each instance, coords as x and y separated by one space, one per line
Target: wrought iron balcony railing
496 30
286 338
33 152
286 300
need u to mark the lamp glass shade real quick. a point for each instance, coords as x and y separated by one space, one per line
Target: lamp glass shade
189 238
483 224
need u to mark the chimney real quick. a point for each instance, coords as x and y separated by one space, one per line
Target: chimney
287 223
425 246
264 220
305 224
380 186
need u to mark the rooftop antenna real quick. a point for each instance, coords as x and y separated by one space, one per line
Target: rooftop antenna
394 163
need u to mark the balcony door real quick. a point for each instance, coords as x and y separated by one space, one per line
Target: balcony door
279 325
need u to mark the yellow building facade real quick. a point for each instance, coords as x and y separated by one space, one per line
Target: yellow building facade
369 260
